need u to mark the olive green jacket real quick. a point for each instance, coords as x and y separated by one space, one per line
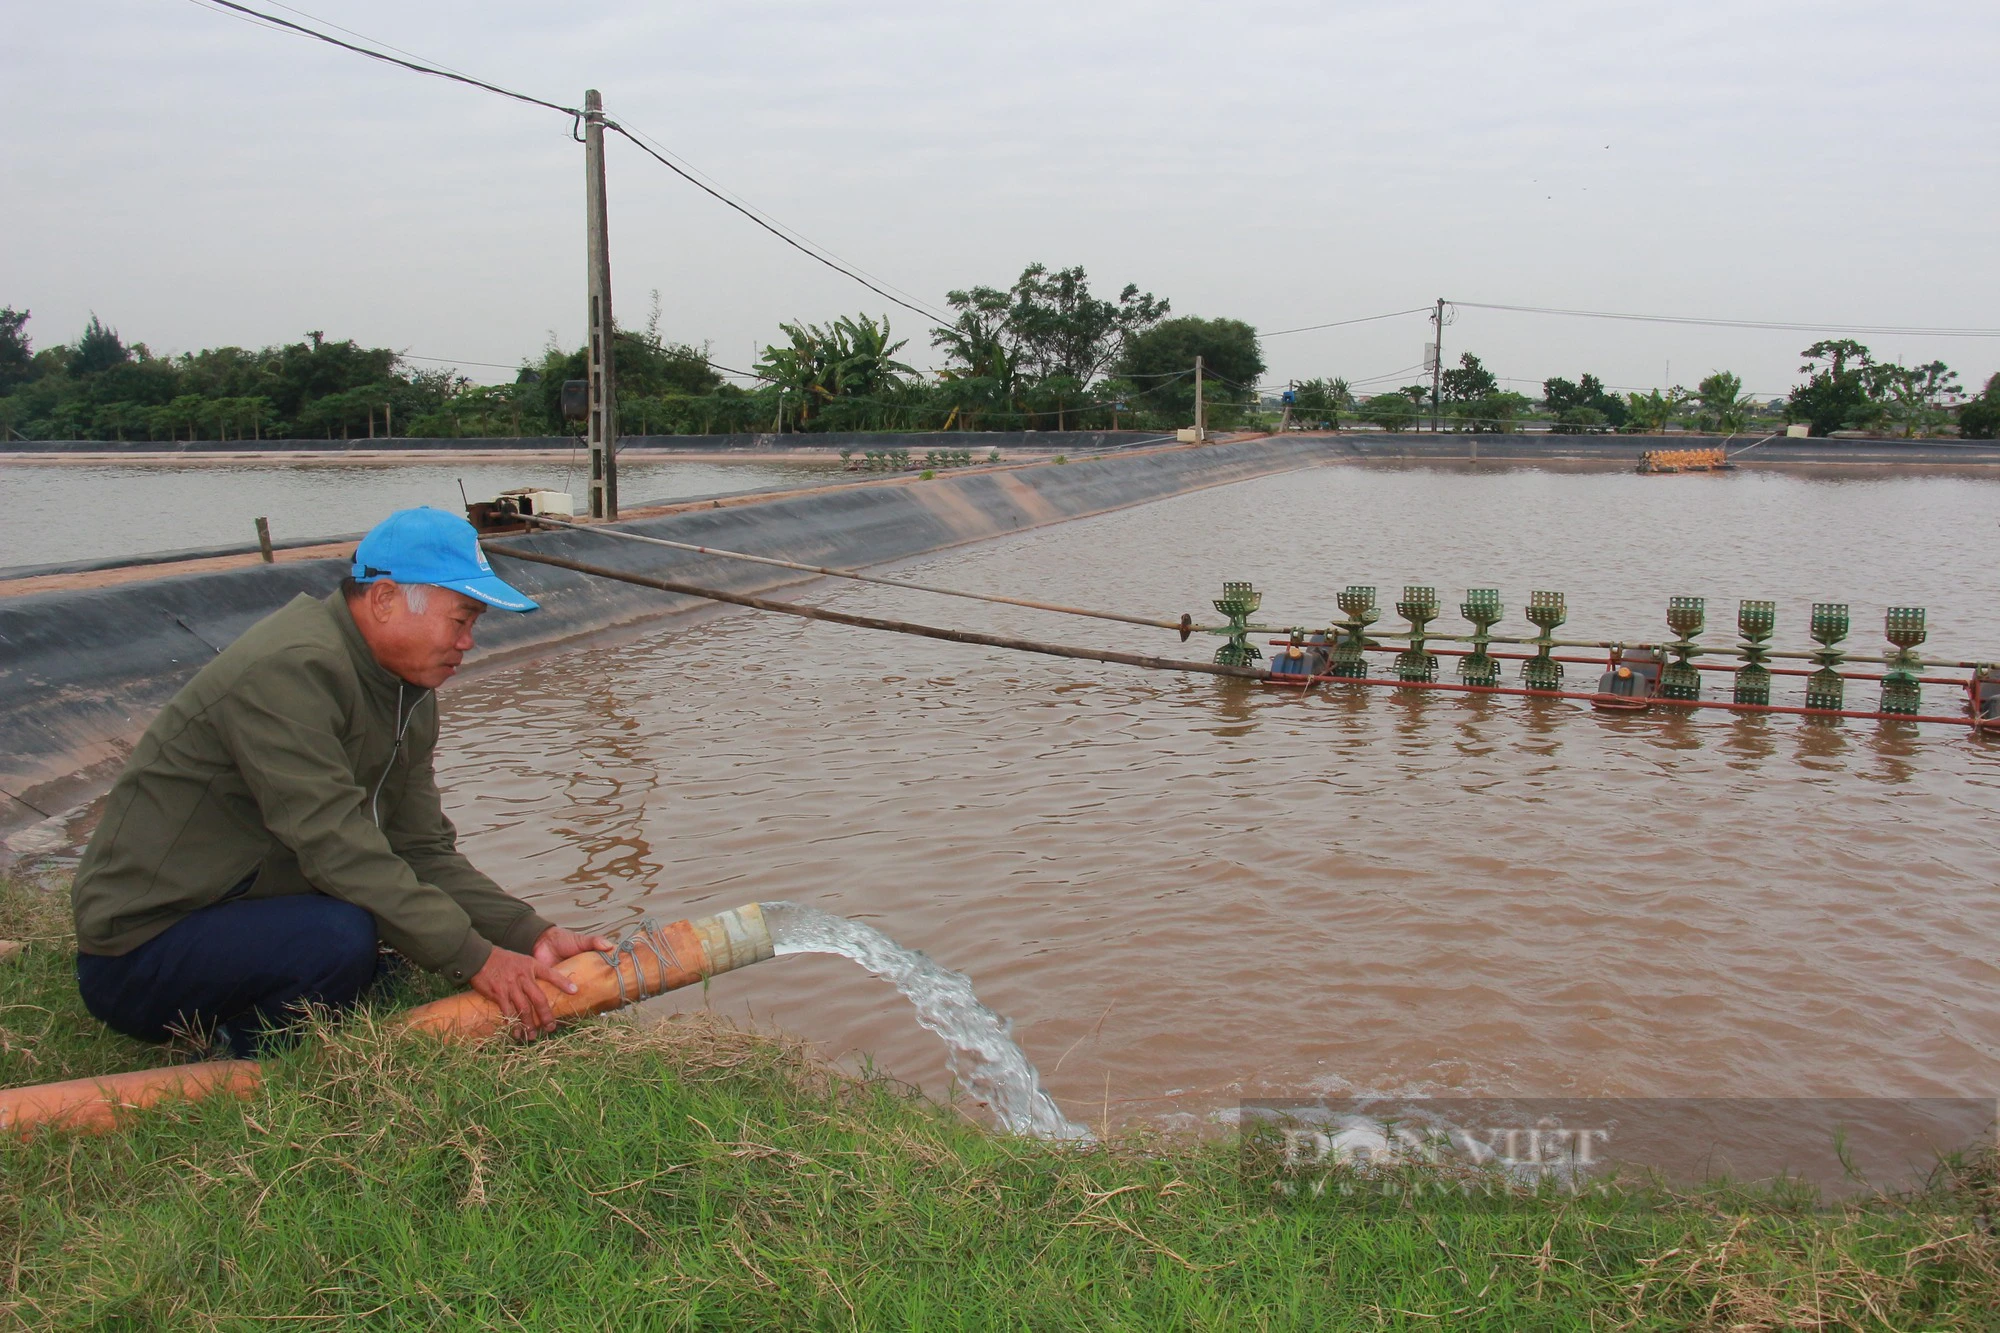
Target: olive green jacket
298 757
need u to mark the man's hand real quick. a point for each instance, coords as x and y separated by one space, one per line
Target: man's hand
508 979
557 943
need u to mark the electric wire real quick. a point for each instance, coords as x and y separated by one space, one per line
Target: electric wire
455 361
942 320
659 153
1338 323
576 115
1635 388
1389 375
1783 326
724 199
416 67
387 46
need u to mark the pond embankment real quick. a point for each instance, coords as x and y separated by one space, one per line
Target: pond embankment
86 659
1755 448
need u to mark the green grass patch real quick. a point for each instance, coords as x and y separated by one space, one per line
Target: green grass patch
687 1174
45 1032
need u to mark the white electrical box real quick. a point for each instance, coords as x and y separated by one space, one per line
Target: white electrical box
1798 430
549 504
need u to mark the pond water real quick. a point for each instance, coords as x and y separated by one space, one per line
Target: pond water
60 512
1188 891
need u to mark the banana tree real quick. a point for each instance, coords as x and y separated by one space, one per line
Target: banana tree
797 371
1724 405
980 375
1650 414
850 363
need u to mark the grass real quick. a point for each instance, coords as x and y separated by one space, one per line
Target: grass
690 1175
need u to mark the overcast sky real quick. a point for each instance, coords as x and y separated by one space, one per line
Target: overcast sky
197 180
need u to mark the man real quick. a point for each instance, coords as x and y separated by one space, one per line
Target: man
281 816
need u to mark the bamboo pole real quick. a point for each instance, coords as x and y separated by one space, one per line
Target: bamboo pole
875 622
1184 626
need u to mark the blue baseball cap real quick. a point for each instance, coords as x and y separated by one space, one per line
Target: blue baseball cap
432 546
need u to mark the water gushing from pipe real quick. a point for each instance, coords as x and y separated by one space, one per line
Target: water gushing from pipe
981 1051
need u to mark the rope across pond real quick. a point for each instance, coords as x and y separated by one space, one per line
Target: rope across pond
1669 673
806 612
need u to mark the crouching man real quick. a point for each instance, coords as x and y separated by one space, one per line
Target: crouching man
281 816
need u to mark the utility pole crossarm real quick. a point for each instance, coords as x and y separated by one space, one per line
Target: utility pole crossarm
602 421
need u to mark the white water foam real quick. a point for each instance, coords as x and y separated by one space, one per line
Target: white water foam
981 1054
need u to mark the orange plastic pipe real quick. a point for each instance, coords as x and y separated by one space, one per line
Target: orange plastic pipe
678 954
101 1105
651 962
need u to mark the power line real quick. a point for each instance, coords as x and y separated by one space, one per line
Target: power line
421 67
1635 388
1914 330
739 374
1365 319
415 67
1393 374
801 236
720 197
387 46
519 366
455 361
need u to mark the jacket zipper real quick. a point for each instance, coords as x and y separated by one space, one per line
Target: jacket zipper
402 725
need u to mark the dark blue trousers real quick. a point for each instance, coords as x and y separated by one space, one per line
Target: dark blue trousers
241 969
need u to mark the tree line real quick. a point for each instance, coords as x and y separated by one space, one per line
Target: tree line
1845 389
1045 353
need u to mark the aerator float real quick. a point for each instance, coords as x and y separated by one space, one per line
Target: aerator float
1632 676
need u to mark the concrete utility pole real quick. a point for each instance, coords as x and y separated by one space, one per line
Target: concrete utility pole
1437 362
602 421
1200 417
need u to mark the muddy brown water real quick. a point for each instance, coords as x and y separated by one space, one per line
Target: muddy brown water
1187 891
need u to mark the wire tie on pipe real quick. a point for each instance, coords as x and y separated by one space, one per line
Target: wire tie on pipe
649 933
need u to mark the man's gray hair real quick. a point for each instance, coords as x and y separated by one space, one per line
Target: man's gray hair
416 596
